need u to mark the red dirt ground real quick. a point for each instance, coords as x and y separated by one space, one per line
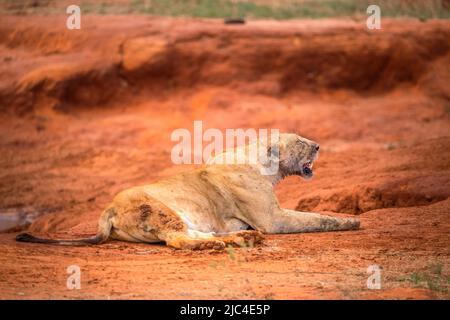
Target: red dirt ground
87 113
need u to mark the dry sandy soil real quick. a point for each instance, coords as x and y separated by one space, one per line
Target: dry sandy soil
87 113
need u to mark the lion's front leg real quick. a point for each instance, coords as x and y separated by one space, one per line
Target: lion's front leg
291 221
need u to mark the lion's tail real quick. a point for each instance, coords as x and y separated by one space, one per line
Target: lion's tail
104 230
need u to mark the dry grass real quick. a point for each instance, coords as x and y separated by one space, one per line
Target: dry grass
273 9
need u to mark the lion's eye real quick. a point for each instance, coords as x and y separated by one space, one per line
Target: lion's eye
301 143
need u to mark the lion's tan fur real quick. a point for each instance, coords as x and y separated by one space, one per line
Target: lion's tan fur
215 205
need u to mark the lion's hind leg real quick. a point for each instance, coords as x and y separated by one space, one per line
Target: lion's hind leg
193 240
142 218
243 238
196 240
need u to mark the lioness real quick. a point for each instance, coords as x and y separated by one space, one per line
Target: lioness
213 206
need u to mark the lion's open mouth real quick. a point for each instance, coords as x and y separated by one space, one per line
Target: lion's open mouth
307 168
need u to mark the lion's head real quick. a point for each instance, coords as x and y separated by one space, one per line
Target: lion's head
296 155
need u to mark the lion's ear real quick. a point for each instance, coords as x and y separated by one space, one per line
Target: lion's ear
270 160
273 152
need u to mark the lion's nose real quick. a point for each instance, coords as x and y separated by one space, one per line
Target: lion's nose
316 147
